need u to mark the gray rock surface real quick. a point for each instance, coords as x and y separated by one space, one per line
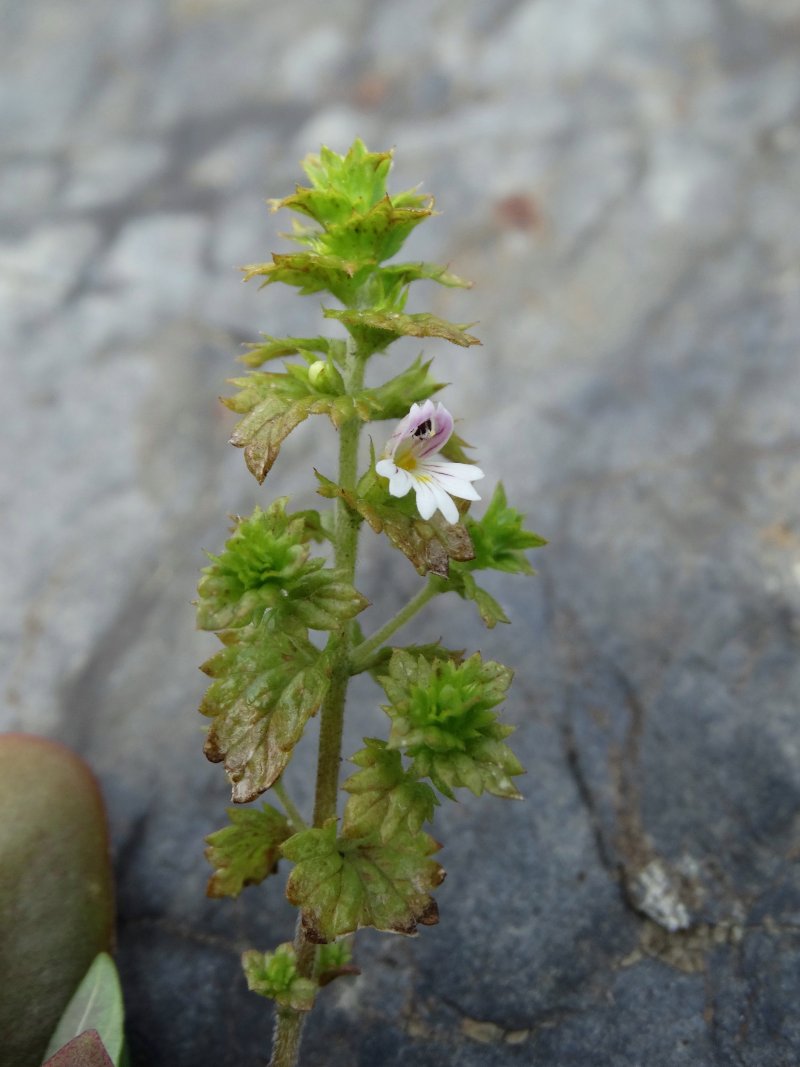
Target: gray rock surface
620 180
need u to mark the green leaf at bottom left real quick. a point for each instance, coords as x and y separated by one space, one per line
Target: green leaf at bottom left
95 1005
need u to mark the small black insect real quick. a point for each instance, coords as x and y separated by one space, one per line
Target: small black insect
425 429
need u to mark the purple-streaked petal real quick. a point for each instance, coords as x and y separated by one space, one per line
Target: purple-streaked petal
418 414
442 424
466 472
455 486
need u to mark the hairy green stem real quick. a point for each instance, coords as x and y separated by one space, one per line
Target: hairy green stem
359 659
297 821
286 1038
289 1024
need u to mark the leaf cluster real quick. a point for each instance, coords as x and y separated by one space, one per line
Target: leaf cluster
499 543
442 717
262 594
351 227
275 975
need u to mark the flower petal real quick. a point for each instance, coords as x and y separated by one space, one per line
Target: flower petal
417 415
385 468
445 503
467 472
455 486
442 428
400 482
427 501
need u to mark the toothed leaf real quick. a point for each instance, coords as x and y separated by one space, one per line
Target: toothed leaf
393 399
490 611
384 798
274 404
245 852
265 570
428 544
342 884
311 273
378 329
274 975
310 348
499 538
442 718
266 685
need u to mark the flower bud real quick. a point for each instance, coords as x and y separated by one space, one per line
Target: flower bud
317 374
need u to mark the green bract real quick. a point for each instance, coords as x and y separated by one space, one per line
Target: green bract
366 861
265 569
342 883
384 798
429 544
245 852
266 687
499 543
274 975
442 716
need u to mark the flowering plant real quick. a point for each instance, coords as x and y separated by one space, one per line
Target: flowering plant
372 864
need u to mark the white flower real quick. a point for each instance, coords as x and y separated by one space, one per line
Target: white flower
411 460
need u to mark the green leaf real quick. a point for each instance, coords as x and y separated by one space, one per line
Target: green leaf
340 184
87 1050
393 399
363 238
359 222
405 273
386 288
442 717
465 585
310 348
322 601
264 560
274 975
265 570
267 426
267 685
342 884
500 539
377 329
378 662
95 1005
375 236
500 543
334 961
384 798
273 405
429 544
245 852
311 273
454 450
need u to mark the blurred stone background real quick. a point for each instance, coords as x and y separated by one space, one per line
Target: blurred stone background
621 181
